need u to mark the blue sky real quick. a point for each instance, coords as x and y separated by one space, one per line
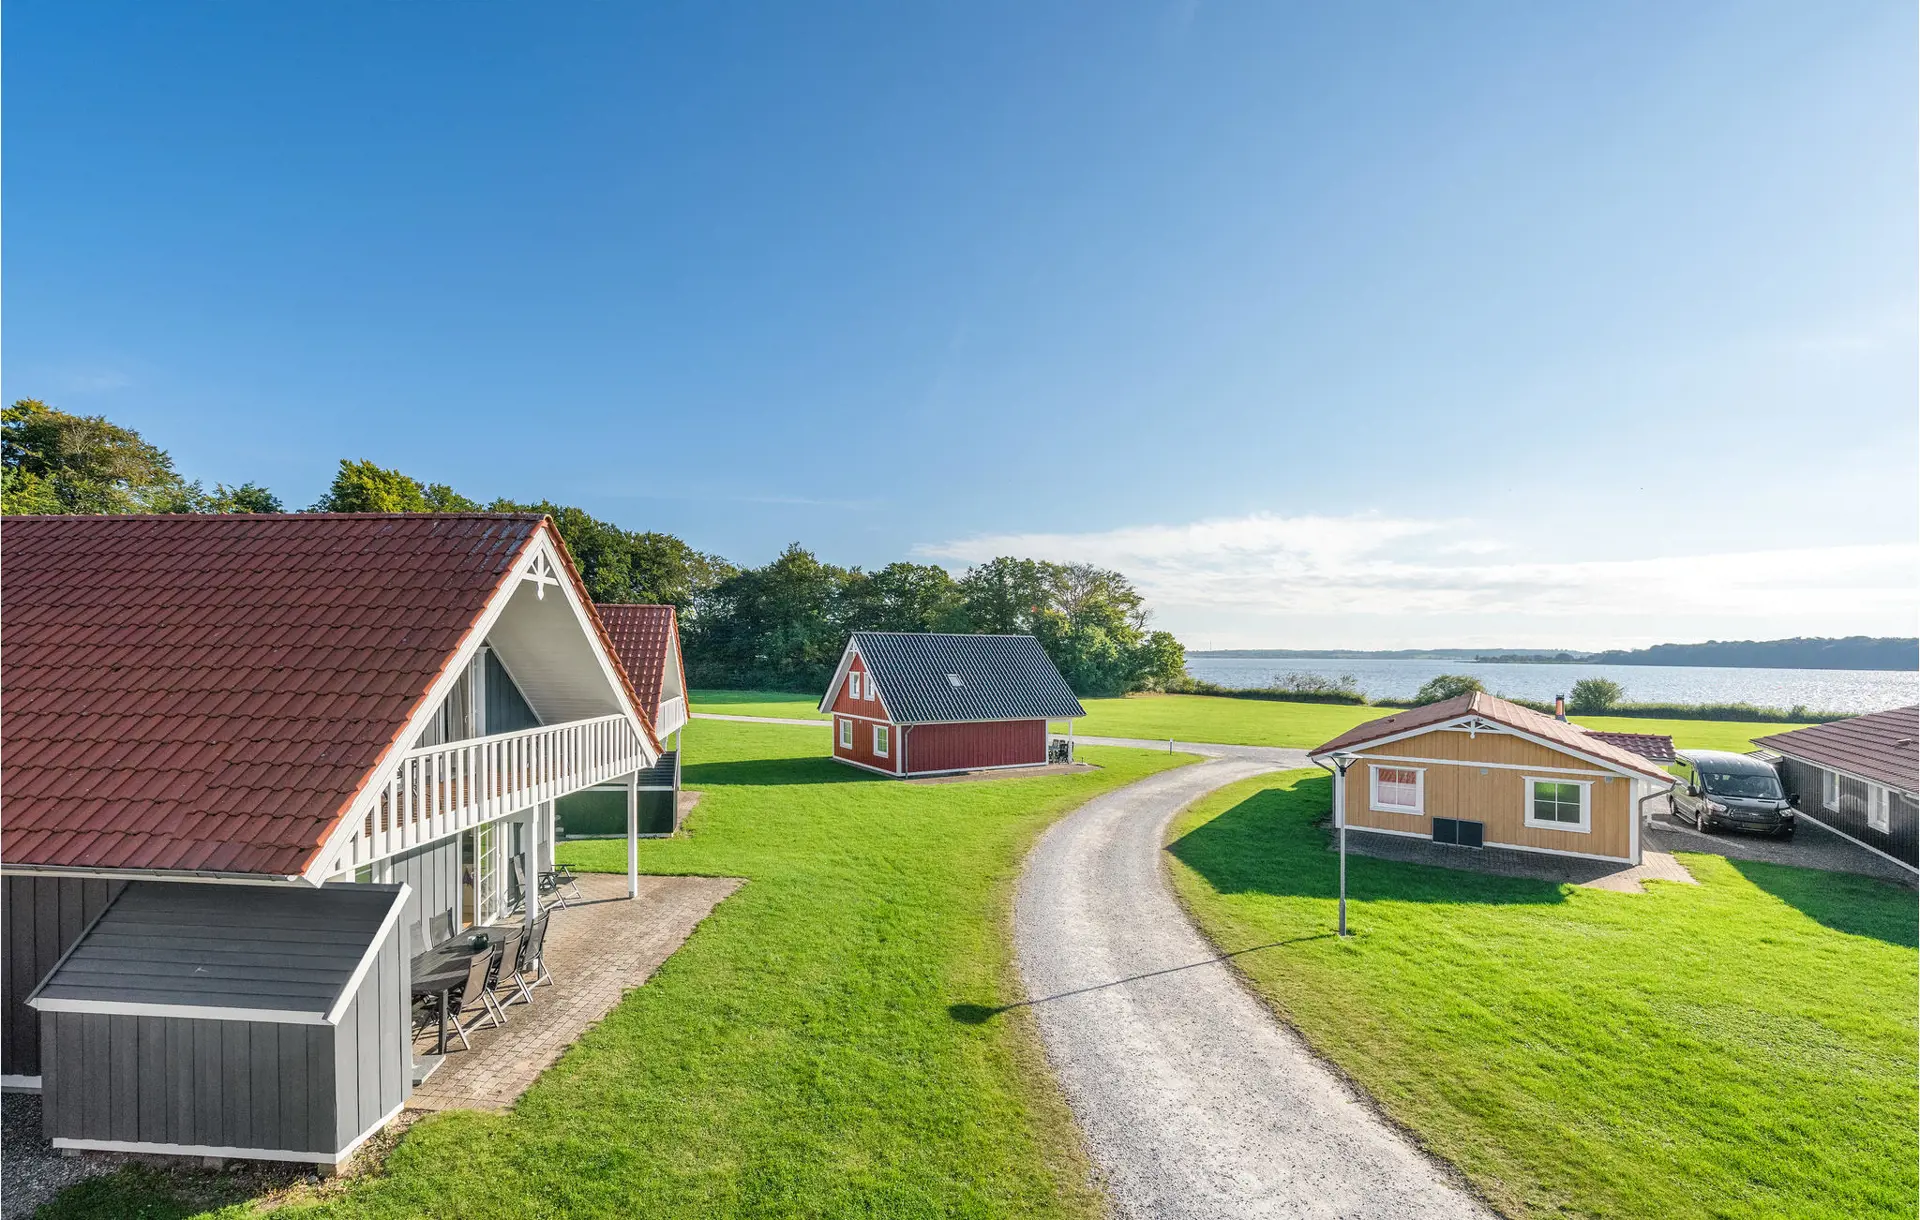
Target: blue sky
1358 325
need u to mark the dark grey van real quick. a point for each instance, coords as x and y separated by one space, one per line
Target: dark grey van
1723 791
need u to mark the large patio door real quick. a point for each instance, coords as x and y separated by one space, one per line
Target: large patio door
487 876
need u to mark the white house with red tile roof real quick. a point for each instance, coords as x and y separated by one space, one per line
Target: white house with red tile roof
314 740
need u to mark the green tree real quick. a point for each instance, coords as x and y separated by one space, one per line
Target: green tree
782 626
905 597
1447 686
362 487
1592 696
1006 596
55 462
631 566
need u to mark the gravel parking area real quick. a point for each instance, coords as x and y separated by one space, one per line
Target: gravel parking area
1812 846
31 1172
1195 1100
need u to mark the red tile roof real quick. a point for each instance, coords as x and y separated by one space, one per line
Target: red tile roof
1499 711
1883 746
209 693
642 638
1656 747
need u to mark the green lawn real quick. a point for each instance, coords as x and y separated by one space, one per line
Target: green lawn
773 703
797 1057
1264 722
1745 1047
1249 722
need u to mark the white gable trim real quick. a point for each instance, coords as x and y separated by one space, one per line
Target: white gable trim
840 680
1473 724
539 549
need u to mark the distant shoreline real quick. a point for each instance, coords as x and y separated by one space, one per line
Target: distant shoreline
1857 653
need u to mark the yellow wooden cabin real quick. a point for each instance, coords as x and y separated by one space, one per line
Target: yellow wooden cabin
1479 771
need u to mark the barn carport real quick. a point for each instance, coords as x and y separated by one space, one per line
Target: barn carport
264 1022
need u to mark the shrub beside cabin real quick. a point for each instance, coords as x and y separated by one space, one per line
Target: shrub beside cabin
926 704
1479 771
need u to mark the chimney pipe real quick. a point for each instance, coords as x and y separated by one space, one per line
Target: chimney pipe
1559 707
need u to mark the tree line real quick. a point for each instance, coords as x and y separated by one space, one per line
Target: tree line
779 626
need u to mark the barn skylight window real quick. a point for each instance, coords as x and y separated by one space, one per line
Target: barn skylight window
954 680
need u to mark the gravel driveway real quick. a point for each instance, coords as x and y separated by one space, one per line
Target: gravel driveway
1194 1100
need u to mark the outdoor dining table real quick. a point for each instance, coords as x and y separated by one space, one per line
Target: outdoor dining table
442 968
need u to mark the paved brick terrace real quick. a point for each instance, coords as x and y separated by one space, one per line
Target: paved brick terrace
596 951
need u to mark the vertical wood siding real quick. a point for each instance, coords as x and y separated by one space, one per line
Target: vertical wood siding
1457 787
862 749
864 705
43 916
433 873
962 747
1899 840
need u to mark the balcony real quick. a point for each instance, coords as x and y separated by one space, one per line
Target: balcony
441 790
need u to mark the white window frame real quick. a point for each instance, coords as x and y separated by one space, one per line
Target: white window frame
1829 791
873 691
1879 809
1584 826
1419 806
853 685
846 733
882 740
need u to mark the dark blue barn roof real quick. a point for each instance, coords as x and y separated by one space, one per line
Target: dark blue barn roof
941 679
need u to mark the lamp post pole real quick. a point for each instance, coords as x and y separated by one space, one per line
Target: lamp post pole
1342 760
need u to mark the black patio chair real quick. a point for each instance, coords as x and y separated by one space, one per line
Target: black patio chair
552 885
529 968
440 927
471 1003
505 970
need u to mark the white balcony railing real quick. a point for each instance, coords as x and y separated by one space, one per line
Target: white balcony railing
673 716
442 790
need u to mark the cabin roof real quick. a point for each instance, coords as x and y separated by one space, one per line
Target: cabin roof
643 639
266 953
1556 733
202 693
934 678
1881 746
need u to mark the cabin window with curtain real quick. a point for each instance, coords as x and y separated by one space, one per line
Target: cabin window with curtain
880 740
1557 804
1879 812
853 685
1399 789
846 734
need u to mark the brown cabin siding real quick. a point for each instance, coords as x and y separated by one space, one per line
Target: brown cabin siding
1482 778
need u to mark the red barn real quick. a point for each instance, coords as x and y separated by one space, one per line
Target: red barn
922 704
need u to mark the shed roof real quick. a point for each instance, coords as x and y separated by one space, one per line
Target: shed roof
929 678
643 638
1882 746
208 693
240 952
1499 711
1655 747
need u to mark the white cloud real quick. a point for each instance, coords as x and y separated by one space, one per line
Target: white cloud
1267 574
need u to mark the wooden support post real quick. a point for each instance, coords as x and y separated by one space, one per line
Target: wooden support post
633 835
530 866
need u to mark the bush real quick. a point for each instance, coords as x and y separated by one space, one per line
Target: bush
1592 696
1318 687
1447 686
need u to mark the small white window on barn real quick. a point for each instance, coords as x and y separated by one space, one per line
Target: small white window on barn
1559 804
853 684
873 689
953 680
1829 791
846 734
1879 811
880 740
1399 789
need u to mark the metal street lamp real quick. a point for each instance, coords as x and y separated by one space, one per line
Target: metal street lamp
1342 760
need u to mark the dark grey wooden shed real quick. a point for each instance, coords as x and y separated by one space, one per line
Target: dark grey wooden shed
268 1022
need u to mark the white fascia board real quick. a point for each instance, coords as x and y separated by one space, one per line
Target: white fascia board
583 615
539 546
374 781
200 1012
1458 724
839 676
398 905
